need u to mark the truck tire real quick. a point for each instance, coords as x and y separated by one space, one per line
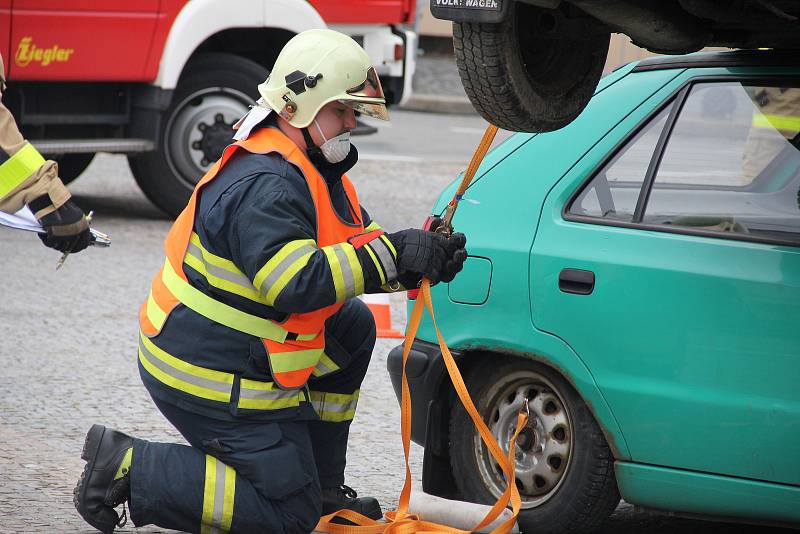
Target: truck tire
214 91
564 468
522 82
70 166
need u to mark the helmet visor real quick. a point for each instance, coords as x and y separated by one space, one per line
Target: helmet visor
368 97
376 110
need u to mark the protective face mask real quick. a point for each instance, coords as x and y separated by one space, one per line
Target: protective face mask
336 148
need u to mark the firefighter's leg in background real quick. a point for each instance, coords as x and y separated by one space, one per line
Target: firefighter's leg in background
237 476
334 386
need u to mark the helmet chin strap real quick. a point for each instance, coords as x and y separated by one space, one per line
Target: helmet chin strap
312 150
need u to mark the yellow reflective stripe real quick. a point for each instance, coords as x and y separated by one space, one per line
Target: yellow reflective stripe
378 266
176 383
124 465
348 276
211 384
232 287
384 255
337 417
191 379
336 273
389 244
155 314
334 398
219 312
19 168
334 407
273 277
213 259
207 523
196 370
256 395
230 492
219 272
372 227
286 362
355 267
325 366
219 492
779 122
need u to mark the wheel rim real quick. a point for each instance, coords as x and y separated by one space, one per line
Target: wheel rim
199 129
544 448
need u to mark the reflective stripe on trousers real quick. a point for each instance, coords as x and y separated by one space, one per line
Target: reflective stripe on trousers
218 497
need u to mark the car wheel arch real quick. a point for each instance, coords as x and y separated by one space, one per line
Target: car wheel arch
469 361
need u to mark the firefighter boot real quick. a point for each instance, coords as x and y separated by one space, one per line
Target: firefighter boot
344 497
105 482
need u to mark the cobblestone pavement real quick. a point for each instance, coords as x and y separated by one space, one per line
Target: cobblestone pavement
67 351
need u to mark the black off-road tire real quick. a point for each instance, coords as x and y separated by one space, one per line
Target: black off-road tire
166 175
522 82
70 166
587 492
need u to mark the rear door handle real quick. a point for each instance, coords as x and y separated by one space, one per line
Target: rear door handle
576 281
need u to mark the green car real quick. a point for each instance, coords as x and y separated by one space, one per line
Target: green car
635 279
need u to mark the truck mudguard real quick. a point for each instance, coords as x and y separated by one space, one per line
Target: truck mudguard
200 19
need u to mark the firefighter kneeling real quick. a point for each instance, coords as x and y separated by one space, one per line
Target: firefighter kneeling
251 343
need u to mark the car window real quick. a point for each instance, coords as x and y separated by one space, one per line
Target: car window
731 163
613 192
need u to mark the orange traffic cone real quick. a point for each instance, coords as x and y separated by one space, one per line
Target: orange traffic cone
378 304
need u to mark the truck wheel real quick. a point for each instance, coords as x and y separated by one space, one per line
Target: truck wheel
564 468
520 81
213 92
70 166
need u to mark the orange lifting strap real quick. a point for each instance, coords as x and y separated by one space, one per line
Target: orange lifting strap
400 521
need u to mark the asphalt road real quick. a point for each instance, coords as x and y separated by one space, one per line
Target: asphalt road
68 337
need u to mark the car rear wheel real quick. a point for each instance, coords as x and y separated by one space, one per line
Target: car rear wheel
214 91
522 78
564 468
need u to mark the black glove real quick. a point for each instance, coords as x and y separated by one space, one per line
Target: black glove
420 252
67 229
456 254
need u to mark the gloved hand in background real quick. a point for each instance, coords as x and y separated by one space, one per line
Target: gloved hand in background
67 228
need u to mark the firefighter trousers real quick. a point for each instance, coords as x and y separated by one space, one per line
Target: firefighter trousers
255 476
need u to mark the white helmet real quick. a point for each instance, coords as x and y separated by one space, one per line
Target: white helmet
320 66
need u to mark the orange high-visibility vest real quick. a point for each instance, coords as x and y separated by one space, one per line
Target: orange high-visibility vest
294 346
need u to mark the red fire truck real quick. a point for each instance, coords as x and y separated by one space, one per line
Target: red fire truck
163 80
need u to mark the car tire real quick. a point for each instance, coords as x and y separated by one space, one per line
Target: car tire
565 469
520 81
70 166
213 92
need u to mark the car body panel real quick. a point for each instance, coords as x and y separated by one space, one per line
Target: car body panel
704 494
702 329
479 273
